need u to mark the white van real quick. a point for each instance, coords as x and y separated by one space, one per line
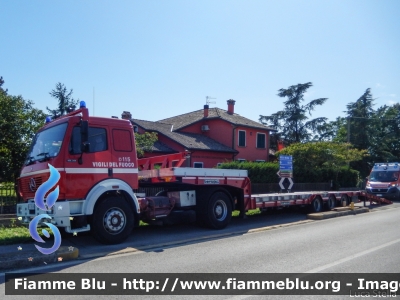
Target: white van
384 181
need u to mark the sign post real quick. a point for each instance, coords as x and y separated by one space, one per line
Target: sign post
285 171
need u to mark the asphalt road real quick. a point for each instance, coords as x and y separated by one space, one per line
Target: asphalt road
365 243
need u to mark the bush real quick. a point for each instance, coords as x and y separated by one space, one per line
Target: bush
266 172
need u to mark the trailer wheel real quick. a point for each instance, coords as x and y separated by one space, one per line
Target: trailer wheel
316 204
219 211
113 221
344 200
331 203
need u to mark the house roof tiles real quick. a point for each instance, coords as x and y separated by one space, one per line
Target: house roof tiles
187 119
191 141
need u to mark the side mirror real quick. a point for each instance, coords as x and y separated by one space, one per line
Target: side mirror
85 147
85 136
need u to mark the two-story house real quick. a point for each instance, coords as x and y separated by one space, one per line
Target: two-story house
211 135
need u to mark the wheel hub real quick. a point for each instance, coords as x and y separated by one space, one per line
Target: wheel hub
220 210
114 221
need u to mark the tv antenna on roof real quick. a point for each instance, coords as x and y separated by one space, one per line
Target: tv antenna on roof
208 100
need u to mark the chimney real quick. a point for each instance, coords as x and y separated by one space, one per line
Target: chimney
231 106
126 115
205 111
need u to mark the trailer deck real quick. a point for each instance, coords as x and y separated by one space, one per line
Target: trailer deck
342 198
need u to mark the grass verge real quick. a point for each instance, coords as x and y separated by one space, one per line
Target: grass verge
18 234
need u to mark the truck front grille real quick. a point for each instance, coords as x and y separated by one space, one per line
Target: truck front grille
29 185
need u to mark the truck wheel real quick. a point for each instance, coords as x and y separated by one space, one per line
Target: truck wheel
397 196
113 221
316 204
331 203
344 200
219 211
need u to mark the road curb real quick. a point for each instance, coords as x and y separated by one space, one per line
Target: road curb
33 258
342 211
24 259
67 253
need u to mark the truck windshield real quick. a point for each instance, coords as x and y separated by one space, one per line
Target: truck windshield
384 176
46 144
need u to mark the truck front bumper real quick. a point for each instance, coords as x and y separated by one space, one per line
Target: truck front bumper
62 214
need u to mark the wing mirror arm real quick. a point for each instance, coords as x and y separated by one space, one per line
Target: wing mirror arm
85 146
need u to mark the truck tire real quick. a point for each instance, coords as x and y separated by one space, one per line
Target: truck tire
316 204
331 203
344 200
218 211
113 220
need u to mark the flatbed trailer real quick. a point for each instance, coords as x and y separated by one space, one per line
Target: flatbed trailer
184 178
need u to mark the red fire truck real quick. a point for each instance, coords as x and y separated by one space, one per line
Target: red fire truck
99 169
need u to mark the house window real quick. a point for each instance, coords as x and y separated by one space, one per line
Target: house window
242 138
241 160
197 165
261 140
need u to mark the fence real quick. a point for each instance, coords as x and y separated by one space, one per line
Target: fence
8 198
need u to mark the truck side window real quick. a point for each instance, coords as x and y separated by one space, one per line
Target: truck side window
122 140
97 139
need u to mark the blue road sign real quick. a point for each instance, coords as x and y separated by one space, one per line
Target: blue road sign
285 163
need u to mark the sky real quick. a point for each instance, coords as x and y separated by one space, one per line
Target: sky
162 58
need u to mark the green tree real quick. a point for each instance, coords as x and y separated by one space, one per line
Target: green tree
292 123
309 159
361 115
385 142
1 86
19 121
331 131
145 142
361 127
65 101
316 155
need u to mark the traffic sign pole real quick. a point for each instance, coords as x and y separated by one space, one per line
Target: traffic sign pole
285 171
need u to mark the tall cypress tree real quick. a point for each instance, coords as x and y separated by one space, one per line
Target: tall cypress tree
361 127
